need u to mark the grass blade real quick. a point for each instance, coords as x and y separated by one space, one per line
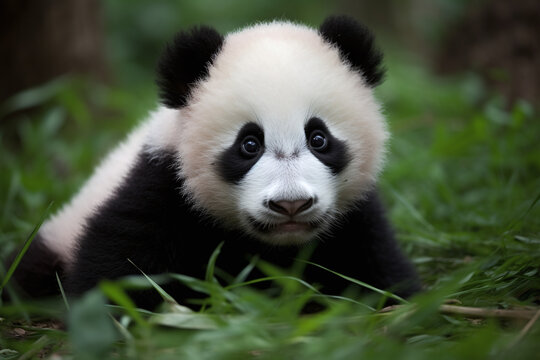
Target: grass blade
62 291
21 253
168 298
212 263
363 284
116 294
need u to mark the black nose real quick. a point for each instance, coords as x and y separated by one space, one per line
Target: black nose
290 207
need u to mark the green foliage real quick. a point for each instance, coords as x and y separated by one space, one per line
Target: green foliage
462 184
91 331
477 164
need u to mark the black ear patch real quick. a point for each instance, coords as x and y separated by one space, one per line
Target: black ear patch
185 61
356 45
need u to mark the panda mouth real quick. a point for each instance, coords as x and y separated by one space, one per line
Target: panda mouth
290 226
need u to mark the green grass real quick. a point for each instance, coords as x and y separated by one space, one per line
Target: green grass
462 184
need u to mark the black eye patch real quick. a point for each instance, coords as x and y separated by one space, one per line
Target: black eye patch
246 150
331 151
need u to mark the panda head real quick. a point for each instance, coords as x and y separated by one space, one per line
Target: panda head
279 132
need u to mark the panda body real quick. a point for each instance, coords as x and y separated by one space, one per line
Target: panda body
269 140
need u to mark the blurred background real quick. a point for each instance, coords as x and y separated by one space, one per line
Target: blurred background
120 41
461 96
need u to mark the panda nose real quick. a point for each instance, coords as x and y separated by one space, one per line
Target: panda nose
291 208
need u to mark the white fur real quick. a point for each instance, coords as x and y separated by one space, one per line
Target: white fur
279 75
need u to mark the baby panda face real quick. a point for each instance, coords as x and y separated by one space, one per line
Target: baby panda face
281 136
285 181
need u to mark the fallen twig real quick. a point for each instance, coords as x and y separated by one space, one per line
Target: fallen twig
526 314
526 328
488 313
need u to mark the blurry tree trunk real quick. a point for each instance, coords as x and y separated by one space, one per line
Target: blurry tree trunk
42 39
501 40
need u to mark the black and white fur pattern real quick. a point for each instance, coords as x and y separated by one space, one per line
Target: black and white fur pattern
270 140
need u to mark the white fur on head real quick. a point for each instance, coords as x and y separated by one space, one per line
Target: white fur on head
279 75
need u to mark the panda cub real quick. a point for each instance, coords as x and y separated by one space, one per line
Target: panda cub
269 140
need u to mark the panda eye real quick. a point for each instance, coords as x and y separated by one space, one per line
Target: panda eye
318 140
250 146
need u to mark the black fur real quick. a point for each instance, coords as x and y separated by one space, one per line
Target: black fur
335 154
233 164
184 62
356 46
35 274
149 222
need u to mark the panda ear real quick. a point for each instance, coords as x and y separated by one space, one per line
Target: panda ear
185 61
355 43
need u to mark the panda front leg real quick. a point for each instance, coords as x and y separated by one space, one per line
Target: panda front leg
364 247
97 261
138 227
